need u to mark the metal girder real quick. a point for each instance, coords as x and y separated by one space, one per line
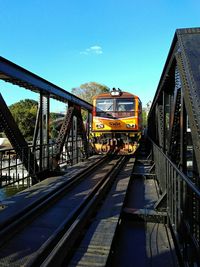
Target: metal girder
184 139
65 132
17 75
188 60
41 131
160 121
183 136
36 130
16 139
174 137
161 203
82 131
185 54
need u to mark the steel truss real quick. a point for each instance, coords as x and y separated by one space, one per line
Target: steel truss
38 159
67 131
9 126
176 135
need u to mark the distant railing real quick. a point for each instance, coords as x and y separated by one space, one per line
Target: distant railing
183 207
12 170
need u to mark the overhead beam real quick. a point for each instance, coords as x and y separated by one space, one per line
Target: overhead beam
15 74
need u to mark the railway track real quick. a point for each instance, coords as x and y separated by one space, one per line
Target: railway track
37 238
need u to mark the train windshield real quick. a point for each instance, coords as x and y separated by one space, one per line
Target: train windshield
115 107
105 105
125 105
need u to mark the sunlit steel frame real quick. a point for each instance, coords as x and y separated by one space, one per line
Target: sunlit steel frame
17 75
175 136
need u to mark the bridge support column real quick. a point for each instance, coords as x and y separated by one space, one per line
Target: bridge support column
71 128
41 133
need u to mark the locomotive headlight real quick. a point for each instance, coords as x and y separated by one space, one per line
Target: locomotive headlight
130 125
100 126
116 92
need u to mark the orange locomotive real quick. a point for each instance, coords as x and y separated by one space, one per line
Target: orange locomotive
117 122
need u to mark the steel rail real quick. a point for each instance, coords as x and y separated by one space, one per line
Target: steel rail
18 221
9 252
51 253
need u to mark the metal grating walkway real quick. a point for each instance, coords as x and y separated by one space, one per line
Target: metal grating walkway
143 238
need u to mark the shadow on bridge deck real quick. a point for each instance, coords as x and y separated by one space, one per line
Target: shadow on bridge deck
11 207
143 237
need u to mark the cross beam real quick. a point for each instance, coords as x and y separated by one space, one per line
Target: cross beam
15 74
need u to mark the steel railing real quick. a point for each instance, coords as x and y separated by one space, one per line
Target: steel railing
183 207
12 170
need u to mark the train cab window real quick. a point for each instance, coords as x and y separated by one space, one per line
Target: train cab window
104 105
125 105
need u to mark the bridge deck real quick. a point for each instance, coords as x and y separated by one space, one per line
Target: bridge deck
95 247
10 207
143 238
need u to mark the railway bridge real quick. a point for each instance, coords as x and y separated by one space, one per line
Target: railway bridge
141 210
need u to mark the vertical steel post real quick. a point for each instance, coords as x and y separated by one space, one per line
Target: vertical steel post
72 141
164 122
89 125
41 132
37 124
47 131
183 133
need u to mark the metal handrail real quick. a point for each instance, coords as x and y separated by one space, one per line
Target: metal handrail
12 170
183 207
183 176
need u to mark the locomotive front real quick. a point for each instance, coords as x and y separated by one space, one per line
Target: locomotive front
117 122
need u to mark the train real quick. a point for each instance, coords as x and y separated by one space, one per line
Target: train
116 122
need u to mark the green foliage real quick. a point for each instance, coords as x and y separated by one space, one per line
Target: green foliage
54 125
2 135
24 113
87 90
144 118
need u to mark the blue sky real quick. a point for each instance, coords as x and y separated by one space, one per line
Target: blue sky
119 43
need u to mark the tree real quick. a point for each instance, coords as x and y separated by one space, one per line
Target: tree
144 118
24 113
87 90
55 124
